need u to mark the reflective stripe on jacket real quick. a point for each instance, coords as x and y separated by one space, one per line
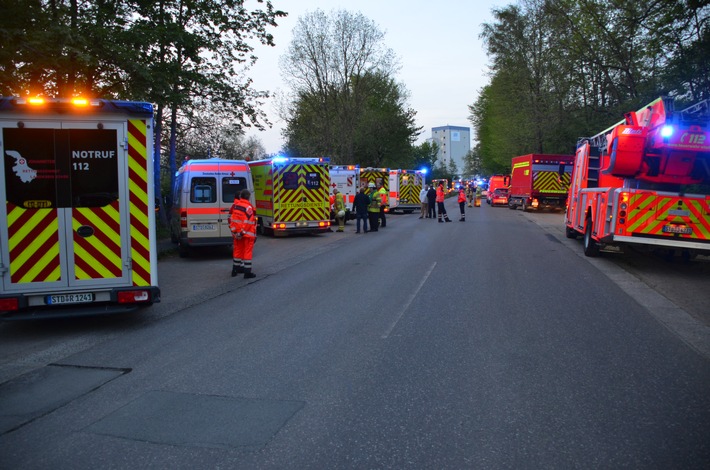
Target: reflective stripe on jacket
242 219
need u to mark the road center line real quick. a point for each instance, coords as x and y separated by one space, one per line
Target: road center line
408 302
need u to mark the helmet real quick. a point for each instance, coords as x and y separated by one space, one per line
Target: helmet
371 185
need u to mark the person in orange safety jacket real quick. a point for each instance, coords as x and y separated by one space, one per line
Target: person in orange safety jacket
242 223
462 203
440 196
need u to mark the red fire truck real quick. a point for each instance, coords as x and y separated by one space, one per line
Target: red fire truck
644 182
540 181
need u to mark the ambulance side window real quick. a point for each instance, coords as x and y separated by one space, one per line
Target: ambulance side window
231 185
203 190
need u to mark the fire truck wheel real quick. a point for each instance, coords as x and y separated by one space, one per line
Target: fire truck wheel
591 247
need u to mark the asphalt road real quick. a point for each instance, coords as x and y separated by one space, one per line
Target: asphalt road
484 344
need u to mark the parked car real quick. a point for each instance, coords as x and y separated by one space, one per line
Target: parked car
499 196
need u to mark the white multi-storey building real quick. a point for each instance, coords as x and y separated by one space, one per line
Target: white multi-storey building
454 143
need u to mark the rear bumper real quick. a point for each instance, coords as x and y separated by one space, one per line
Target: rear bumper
32 307
660 241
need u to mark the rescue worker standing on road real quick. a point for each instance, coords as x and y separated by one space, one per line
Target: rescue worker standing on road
440 196
338 208
462 203
423 201
431 202
383 201
373 210
242 223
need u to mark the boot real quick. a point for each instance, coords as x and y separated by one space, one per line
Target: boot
440 219
462 219
248 274
237 270
446 218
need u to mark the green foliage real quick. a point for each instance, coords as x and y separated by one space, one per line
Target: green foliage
181 55
564 69
345 104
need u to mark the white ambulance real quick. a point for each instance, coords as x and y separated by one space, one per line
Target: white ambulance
202 197
77 218
346 179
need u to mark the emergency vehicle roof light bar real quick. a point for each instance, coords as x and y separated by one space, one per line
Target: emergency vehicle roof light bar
77 104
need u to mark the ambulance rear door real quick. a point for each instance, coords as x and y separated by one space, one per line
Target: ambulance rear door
65 215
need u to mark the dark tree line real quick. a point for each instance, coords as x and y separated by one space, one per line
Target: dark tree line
184 56
564 69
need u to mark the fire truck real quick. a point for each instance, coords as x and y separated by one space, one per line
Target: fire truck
77 219
540 181
291 195
495 182
404 189
644 182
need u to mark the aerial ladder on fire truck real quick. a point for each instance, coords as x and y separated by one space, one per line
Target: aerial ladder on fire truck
644 181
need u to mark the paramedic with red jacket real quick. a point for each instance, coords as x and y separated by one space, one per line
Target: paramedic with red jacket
242 223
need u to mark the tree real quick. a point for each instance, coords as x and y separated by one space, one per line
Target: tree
199 48
565 69
338 67
172 53
424 156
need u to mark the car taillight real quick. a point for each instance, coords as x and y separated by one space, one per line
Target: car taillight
183 219
133 296
9 303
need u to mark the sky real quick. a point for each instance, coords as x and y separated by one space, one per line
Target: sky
443 60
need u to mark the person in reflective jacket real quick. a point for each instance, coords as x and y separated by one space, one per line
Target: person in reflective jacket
339 207
242 223
462 203
440 196
373 210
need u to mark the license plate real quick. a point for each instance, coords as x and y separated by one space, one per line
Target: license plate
685 230
203 227
301 224
70 299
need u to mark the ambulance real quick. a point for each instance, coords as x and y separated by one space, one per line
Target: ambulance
375 175
291 195
404 189
202 197
77 219
346 179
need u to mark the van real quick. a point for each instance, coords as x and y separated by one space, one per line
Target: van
346 179
291 195
202 197
77 225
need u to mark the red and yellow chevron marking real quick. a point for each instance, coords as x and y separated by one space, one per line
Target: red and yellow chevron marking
370 176
301 204
550 182
649 213
138 162
97 256
409 188
33 244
